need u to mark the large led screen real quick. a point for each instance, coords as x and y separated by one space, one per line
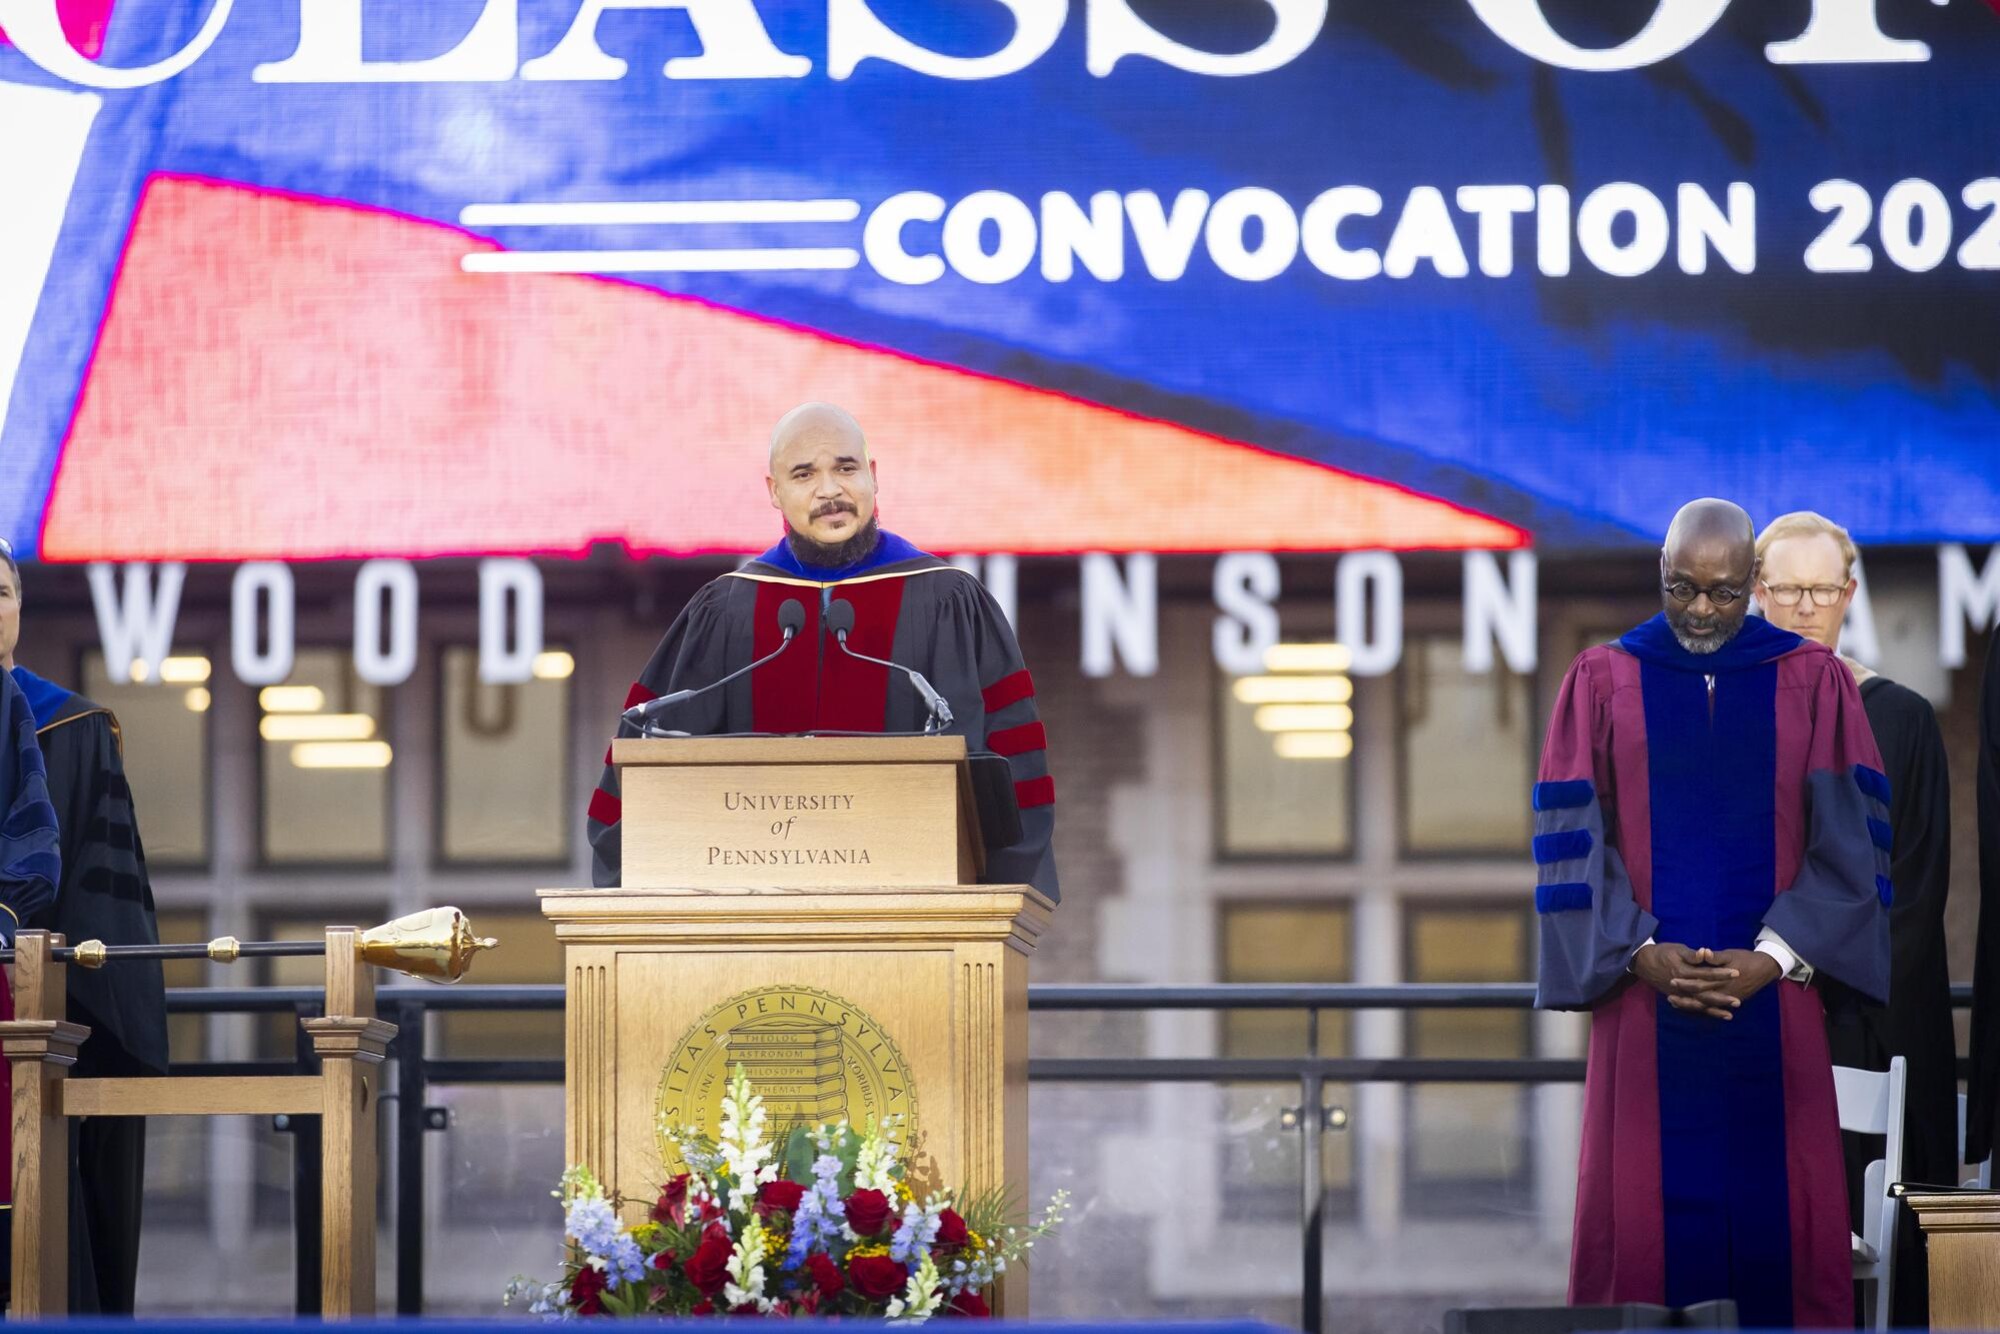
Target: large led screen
324 278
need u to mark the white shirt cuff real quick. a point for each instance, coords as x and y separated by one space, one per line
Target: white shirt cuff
1635 953
1790 966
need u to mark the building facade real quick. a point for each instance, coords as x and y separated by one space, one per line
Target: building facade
1196 842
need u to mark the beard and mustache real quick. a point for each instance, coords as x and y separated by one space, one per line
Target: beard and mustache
835 555
1703 646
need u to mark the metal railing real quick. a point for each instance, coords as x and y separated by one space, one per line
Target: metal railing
417 1071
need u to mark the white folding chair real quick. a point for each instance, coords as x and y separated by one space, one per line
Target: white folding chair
1871 1103
1982 1175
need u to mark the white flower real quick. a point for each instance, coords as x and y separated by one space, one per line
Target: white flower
875 1161
746 1157
746 1270
920 1300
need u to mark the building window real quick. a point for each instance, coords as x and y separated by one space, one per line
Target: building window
528 954
163 729
502 1138
1468 747
1286 735
1468 1142
177 1171
325 766
279 1038
1282 942
505 790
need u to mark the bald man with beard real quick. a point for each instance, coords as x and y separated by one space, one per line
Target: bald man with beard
908 607
1711 836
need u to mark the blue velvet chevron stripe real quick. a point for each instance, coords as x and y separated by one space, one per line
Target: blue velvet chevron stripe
1566 814
1712 786
1874 785
1564 845
1565 795
1562 896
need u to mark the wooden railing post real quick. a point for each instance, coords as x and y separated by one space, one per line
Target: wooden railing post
41 1047
350 1042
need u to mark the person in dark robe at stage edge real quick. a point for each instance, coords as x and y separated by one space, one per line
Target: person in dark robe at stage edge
30 867
909 608
104 895
1703 817
1982 1112
1806 584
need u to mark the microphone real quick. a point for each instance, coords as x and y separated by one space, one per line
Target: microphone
840 620
791 619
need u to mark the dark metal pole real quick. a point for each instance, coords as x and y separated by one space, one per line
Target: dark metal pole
1312 1119
411 1093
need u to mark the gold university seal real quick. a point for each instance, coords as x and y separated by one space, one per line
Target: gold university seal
813 1058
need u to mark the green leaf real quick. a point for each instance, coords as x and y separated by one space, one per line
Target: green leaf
628 1300
848 1149
799 1155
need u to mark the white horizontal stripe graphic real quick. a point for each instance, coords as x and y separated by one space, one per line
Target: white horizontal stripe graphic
660 211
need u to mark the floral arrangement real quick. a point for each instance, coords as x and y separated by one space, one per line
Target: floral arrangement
827 1226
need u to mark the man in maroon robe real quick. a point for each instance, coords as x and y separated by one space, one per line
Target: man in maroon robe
908 607
1712 836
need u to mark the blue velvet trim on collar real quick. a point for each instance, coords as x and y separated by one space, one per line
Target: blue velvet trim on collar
890 550
1757 643
45 698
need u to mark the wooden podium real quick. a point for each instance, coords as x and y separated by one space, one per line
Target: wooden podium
1962 1233
804 907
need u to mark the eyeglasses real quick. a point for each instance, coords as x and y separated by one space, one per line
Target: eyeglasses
1788 595
1684 592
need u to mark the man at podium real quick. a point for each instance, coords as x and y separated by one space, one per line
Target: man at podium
812 612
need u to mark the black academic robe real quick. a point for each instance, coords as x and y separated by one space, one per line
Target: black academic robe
910 608
1983 1106
1916 1024
105 895
1919 1025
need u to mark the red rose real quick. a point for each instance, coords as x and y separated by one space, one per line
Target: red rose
968 1303
708 1267
702 1307
672 1204
826 1275
952 1233
664 1260
584 1290
748 1308
867 1211
877 1277
779 1196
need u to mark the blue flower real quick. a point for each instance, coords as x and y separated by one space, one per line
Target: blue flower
593 1224
623 1261
914 1234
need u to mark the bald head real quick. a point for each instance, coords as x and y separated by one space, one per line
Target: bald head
1707 568
817 423
1701 522
822 480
